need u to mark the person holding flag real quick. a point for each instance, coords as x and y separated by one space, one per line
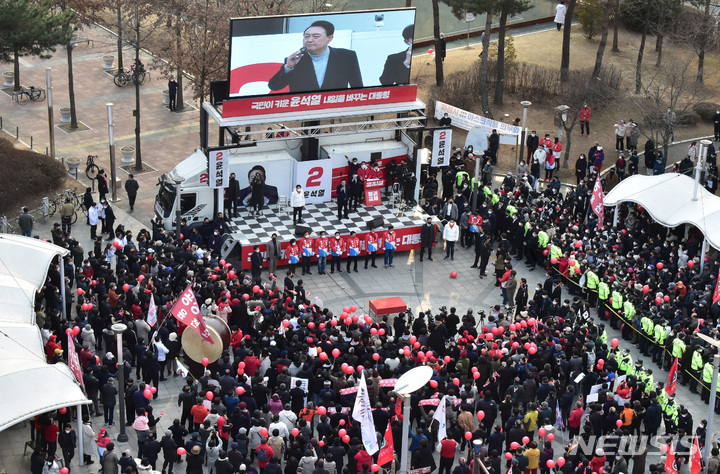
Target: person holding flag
362 412
596 203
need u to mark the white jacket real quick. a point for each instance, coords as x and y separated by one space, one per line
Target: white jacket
451 232
93 215
297 199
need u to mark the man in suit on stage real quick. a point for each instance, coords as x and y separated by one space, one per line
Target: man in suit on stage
320 67
397 66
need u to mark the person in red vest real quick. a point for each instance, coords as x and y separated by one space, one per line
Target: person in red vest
372 246
307 250
584 114
322 249
337 248
389 238
293 255
353 244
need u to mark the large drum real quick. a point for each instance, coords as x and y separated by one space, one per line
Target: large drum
196 349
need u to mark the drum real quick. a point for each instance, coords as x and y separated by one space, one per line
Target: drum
196 349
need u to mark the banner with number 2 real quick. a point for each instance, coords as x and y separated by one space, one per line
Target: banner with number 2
186 311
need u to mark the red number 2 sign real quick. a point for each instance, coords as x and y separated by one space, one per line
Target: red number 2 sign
314 177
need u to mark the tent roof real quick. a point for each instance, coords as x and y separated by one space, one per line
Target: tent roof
668 200
28 384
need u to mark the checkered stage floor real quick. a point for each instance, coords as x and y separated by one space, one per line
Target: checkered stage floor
319 216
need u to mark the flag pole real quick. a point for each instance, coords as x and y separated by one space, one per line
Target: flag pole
711 411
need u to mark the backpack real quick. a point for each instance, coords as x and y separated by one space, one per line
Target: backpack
262 455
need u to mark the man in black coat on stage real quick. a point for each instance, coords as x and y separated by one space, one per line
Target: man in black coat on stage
317 66
397 66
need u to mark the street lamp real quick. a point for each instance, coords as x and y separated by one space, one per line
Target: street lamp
476 188
111 141
525 104
118 329
178 212
409 382
713 393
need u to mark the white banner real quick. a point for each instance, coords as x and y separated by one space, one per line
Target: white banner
467 120
362 412
218 173
152 313
441 416
442 146
315 177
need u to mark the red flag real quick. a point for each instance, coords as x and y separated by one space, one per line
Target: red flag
385 454
74 362
671 466
596 202
695 458
671 384
398 408
186 311
716 295
152 313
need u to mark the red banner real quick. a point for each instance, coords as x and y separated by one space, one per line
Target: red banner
671 466
596 202
671 384
186 311
278 104
695 458
74 361
716 295
372 191
386 453
407 238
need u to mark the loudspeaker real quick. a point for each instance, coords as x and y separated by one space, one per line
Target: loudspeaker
301 229
376 223
218 92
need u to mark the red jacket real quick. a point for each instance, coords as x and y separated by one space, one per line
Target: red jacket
306 244
252 363
362 457
557 146
323 244
354 243
337 246
292 251
372 238
585 114
575 418
447 448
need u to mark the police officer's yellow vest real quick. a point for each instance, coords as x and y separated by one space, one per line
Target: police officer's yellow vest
555 251
628 309
707 373
697 361
591 280
512 209
543 239
603 290
678 347
617 300
660 334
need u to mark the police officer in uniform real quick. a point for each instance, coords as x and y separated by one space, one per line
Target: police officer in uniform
591 286
696 365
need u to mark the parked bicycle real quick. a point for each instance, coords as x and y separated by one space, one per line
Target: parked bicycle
57 203
136 74
26 94
91 169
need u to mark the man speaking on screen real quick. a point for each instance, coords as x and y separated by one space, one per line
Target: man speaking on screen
397 66
317 66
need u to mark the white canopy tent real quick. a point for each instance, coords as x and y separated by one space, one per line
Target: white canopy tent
668 198
28 384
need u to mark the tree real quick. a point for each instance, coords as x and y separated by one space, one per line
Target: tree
672 87
641 50
616 26
29 28
606 6
590 15
698 28
438 53
567 30
508 8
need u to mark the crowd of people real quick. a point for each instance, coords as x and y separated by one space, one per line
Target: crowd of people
281 396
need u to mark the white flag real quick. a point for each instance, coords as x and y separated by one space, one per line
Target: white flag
441 416
362 412
152 313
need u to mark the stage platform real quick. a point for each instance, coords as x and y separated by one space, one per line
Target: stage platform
246 232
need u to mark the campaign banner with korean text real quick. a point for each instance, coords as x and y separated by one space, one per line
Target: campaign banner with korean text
468 120
315 177
317 101
186 311
372 191
74 361
442 144
218 173
407 238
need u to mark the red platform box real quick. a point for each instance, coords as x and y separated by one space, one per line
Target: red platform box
372 191
385 306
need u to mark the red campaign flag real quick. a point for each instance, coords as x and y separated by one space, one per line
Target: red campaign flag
716 295
671 384
186 311
596 202
385 454
74 362
398 408
695 458
671 466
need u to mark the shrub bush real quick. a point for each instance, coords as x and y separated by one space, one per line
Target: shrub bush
706 110
590 15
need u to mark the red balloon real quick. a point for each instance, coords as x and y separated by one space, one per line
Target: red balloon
360 368
153 389
321 410
374 468
342 422
240 390
525 440
550 463
550 437
148 394
456 381
368 319
376 356
295 432
416 345
658 301
554 261
321 443
430 51
659 265
373 331
480 415
531 321
333 322
571 262
453 274
541 432
578 244
346 439
447 360
666 298
126 287
353 308
285 323
336 352
222 262
141 277
323 356
514 445
645 289
76 330
513 327
181 451
210 395
381 331
342 432
64 470
205 361
508 456
546 252
532 350
246 296
468 435
476 375
561 461
577 270
62 410
263 432
691 263
412 339
614 343
433 383
80 291
618 423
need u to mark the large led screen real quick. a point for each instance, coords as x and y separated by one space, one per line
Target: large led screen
320 52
